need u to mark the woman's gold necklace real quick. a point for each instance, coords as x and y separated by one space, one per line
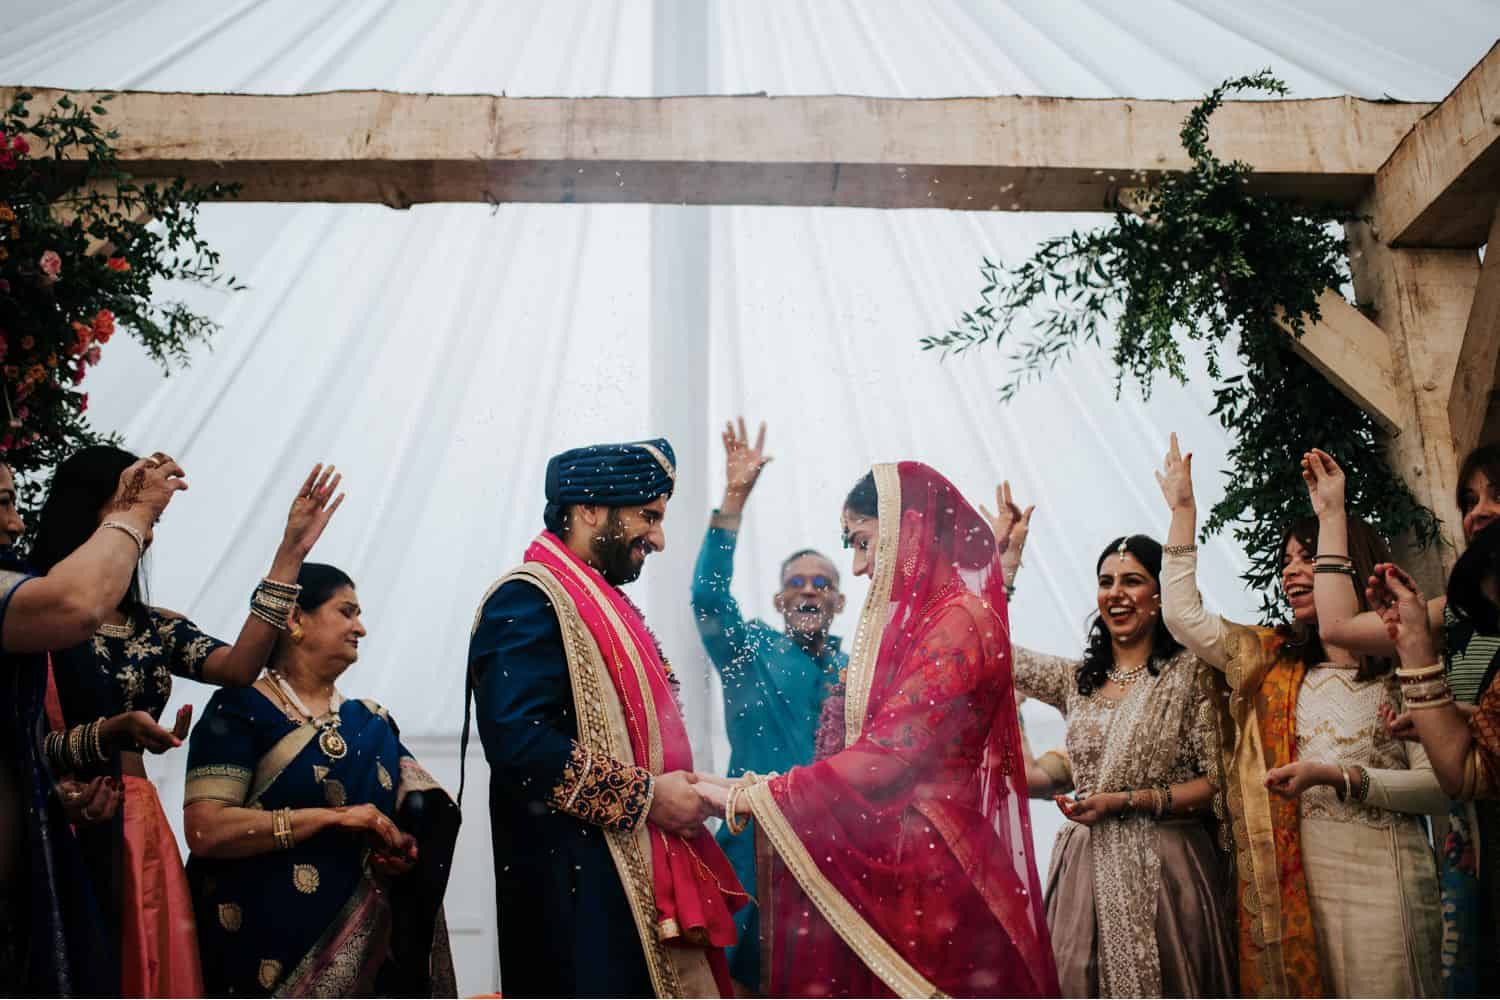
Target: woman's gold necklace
330 740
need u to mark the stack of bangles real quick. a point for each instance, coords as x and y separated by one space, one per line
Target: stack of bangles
281 829
1424 687
272 602
1330 563
1161 801
737 826
76 748
1351 791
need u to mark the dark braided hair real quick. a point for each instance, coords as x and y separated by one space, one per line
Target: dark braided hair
1099 654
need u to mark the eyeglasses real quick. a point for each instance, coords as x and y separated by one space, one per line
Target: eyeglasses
819 582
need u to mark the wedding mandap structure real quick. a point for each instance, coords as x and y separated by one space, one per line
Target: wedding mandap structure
515 295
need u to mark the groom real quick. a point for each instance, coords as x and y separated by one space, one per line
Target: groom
606 880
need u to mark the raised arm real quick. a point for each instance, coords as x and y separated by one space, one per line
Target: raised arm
64 607
1181 603
238 665
1336 596
718 615
1010 525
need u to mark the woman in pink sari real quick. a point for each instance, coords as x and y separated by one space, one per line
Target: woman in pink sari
902 863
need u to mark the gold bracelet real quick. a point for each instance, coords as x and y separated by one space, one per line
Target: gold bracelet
1434 703
135 536
1414 674
281 828
731 813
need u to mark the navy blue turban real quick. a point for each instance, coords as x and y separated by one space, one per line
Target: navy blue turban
612 475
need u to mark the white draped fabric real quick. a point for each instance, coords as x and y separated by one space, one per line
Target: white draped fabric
439 355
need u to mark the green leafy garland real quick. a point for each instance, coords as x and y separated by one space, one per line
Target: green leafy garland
80 245
1203 260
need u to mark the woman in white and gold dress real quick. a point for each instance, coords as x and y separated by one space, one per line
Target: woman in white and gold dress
1139 894
1338 887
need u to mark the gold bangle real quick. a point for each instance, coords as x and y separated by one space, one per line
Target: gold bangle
1412 674
731 813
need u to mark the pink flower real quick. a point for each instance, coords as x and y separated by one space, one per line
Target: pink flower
83 403
20 145
51 264
78 374
92 356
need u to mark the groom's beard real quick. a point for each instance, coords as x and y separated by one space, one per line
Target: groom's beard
617 559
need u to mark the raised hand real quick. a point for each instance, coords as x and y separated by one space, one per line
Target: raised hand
1011 525
1395 596
144 490
1325 482
1176 478
311 510
742 463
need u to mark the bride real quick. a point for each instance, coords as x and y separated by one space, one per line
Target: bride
902 863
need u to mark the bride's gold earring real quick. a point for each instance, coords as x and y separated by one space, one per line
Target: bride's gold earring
295 632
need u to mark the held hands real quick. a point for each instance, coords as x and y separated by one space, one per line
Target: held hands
1395 596
742 463
1011 525
1325 483
1176 478
311 510
395 862
92 802
681 802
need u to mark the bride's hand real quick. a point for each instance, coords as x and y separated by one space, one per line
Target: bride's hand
1011 525
716 795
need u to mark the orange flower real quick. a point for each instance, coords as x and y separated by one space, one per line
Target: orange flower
6 213
85 337
117 264
104 325
52 361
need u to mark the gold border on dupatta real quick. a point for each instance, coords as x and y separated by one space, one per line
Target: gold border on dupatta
627 644
895 971
859 678
278 758
601 727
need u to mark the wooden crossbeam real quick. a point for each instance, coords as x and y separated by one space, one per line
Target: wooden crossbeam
980 154
1355 355
1441 184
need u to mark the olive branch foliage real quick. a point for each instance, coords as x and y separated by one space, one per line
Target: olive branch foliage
1204 264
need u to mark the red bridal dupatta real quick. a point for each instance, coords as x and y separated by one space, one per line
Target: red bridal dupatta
903 863
682 890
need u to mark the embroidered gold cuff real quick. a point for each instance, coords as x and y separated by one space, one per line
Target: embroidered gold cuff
603 791
219 782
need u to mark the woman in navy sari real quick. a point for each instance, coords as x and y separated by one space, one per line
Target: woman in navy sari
320 847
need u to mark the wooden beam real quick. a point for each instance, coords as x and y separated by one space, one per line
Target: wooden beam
1479 353
1441 184
979 154
1355 355
1421 300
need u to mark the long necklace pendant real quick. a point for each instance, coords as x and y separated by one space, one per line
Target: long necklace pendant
331 742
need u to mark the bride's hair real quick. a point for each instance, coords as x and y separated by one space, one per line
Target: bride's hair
864 499
1099 654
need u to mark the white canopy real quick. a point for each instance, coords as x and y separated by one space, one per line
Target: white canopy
439 355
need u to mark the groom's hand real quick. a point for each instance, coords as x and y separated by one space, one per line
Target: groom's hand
678 806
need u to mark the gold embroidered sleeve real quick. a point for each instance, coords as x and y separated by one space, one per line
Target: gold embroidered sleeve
603 791
217 782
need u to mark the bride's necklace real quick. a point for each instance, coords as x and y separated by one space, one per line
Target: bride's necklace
330 740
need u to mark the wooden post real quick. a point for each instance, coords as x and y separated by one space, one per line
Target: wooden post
1421 300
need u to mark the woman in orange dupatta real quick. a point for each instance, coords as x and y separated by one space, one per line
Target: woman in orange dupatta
903 863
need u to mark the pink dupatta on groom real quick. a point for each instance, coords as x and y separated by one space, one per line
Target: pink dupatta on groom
692 886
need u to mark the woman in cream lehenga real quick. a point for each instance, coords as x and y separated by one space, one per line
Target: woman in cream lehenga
902 864
1338 887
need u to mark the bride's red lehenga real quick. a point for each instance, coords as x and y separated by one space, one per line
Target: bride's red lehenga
903 863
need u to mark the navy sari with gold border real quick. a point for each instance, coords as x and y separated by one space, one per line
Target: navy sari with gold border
316 919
